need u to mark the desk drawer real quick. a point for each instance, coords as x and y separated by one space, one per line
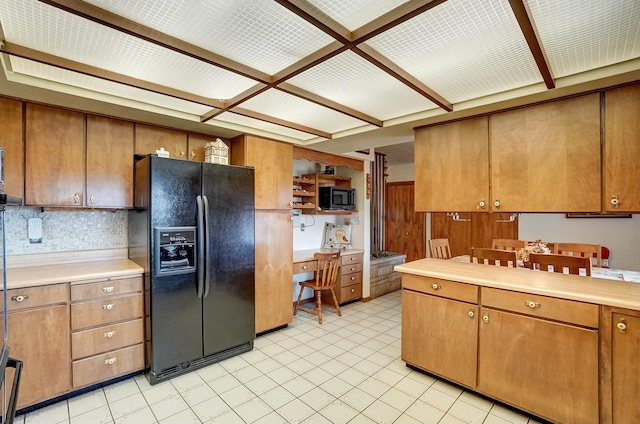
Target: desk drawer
103 339
570 311
443 288
108 365
351 279
302 267
350 293
351 259
30 297
351 268
104 311
105 288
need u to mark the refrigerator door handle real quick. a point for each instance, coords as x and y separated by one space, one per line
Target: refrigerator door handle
200 245
207 277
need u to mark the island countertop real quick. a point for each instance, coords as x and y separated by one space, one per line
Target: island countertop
585 289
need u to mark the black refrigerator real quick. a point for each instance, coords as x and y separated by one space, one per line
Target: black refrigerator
192 229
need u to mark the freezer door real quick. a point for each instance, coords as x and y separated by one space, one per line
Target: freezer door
229 312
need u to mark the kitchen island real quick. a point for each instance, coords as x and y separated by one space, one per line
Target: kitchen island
565 348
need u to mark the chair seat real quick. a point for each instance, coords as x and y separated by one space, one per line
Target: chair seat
311 284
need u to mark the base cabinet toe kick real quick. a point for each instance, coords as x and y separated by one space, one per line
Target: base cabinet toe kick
563 360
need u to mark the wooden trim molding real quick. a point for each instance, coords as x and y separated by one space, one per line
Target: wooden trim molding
327 158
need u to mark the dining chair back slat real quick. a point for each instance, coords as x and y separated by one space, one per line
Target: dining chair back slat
580 250
560 263
508 244
440 248
493 257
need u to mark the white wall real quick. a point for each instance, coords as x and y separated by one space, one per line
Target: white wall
397 173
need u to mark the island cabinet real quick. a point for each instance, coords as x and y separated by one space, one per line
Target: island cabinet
540 354
452 167
38 335
621 150
440 327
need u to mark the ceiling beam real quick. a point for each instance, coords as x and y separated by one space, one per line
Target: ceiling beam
305 10
70 65
530 34
283 123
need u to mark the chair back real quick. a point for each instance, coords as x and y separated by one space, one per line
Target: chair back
493 257
560 263
508 244
440 248
580 250
327 271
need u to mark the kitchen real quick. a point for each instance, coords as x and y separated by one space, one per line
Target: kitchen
67 231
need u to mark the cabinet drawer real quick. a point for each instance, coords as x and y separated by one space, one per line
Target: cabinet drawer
103 339
443 288
351 268
308 266
351 279
569 311
350 293
351 259
105 288
30 297
108 365
104 311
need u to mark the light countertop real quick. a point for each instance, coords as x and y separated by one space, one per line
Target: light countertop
585 289
307 255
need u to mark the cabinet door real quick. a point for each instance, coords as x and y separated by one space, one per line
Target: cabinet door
109 163
11 124
273 163
149 139
621 162
440 336
544 367
40 339
452 166
274 269
196 145
546 158
625 368
54 156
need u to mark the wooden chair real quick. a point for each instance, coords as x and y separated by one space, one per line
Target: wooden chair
580 250
440 248
325 279
560 263
508 244
493 257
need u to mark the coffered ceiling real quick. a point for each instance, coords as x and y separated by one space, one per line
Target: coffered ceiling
340 75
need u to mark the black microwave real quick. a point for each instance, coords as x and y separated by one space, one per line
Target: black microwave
337 198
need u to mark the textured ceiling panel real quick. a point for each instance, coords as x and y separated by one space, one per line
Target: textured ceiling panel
266 126
463 49
291 108
258 33
98 85
353 14
40 27
350 80
579 35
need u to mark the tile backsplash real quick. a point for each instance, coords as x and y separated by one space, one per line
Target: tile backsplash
66 230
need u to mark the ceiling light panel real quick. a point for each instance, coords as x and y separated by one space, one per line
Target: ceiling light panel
352 81
294 109
98 85
258 33
579 35
250 123
41 27
462 49
355 13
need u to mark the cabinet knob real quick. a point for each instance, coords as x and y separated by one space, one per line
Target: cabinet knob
193 154
92 199
471 313
436 286
485 318
353 278
182 154
76 198
290 204
353 290
20 297
353 268
110 334
108 289
497 203
108 307
531 304
622 325
615 202
353 259
481 204
304 267
110 361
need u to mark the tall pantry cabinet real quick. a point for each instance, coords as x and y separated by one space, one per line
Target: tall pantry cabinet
273 163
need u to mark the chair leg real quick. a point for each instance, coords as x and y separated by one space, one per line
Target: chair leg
319 305
335 302
295 310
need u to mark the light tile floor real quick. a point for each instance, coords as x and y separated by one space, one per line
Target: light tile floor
361 379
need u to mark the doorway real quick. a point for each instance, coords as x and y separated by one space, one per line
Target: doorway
404 228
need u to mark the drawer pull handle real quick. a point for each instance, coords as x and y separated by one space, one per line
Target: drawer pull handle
353 268
353 290
110 361
531 304
436 286
108 307
353 278
20 297
304 267
108 289
110 334
353 259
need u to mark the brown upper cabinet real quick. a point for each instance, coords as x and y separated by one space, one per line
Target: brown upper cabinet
621 152
149 139
546 158
11 124
196 143
273 163
54 157
452 167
